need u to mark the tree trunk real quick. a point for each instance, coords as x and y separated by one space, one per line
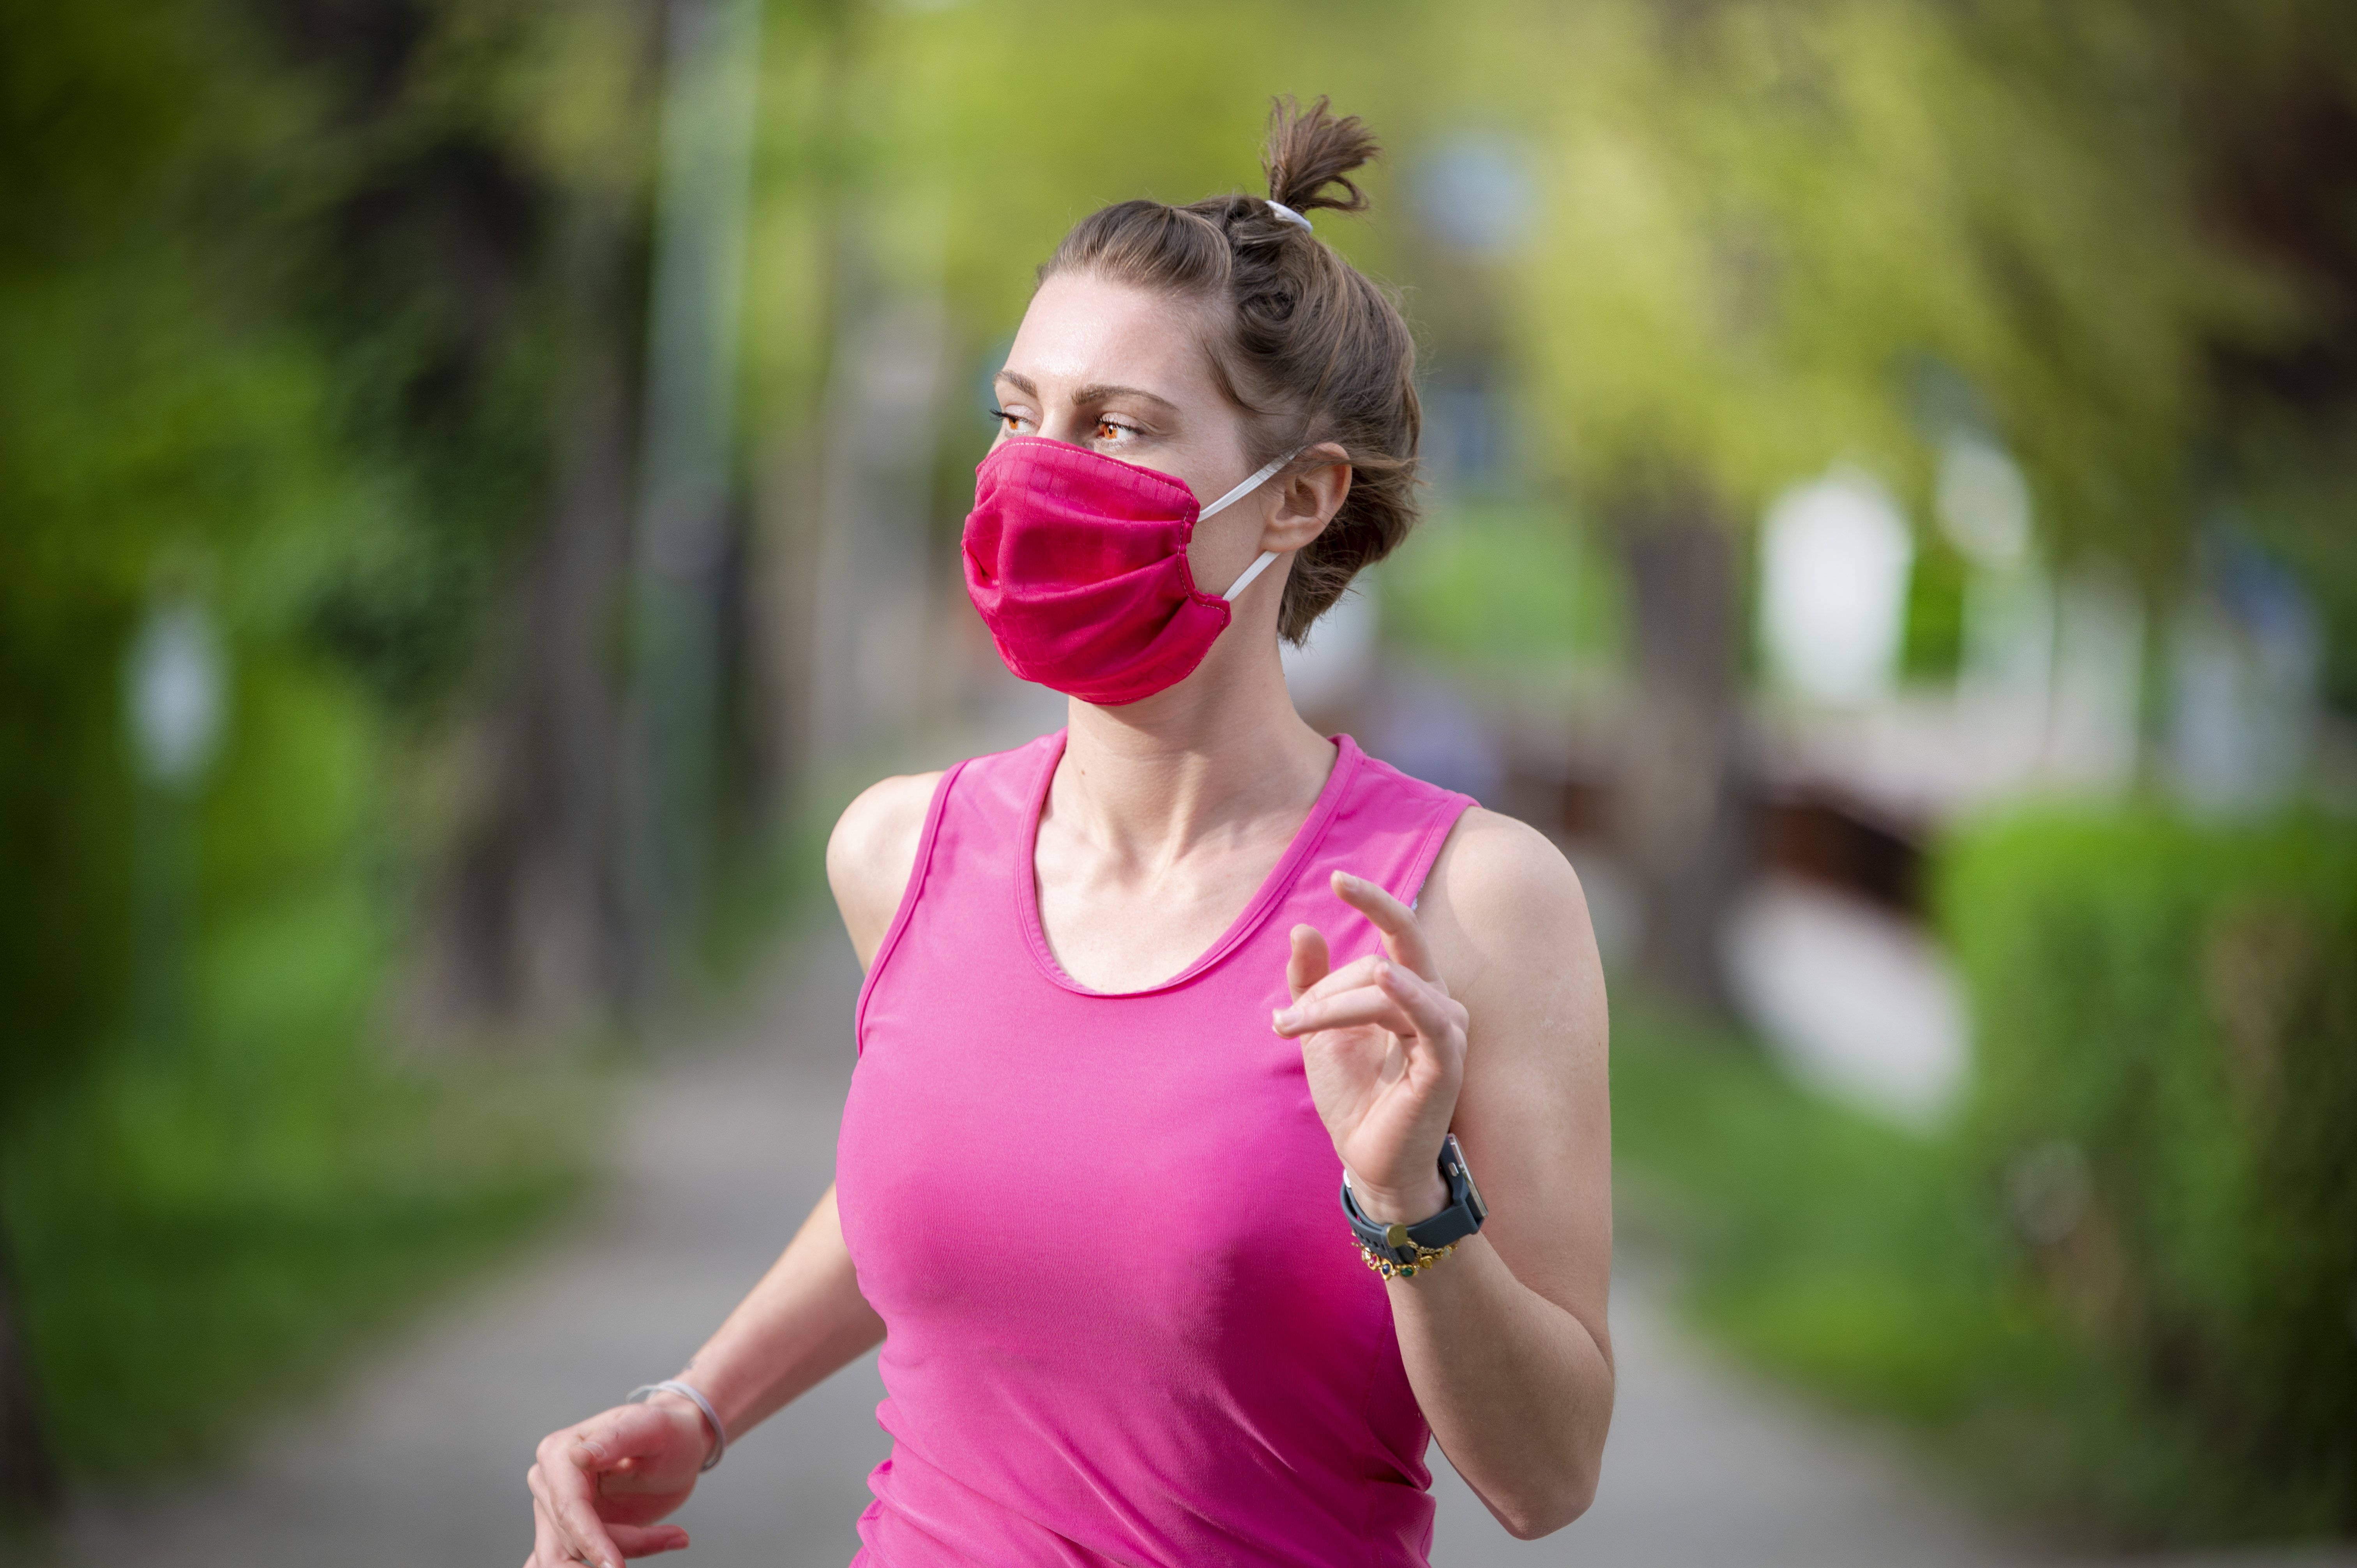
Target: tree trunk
1677 815
533 927
29 1478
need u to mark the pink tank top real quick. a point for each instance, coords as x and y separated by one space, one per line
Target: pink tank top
1125 1321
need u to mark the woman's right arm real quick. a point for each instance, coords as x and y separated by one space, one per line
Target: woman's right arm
599 1487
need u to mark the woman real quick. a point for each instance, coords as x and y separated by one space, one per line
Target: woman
1146 1180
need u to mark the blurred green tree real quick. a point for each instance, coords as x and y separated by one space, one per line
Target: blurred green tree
476 273
326 312
1768 231
147 419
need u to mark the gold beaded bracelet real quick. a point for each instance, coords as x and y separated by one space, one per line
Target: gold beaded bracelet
1392 1268
1398 1251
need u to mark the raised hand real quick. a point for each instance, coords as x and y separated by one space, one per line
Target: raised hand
598 1487
1384 1044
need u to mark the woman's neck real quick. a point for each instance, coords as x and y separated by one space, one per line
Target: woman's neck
1222 749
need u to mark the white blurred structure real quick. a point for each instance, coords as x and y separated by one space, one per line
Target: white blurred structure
2051 679
1856 1002
2007 672
1984 504
176 696
175 693
1835 555
2050 697
2093 724
2049 687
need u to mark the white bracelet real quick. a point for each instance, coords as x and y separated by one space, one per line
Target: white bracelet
694 1396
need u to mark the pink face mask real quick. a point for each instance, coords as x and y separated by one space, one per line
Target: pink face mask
1078 564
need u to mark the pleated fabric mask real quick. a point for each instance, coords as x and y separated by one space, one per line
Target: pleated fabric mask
1078 564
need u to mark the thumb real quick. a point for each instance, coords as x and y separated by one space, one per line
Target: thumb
1310 962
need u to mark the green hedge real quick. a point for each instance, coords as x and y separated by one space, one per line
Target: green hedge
204 1232
2166 1018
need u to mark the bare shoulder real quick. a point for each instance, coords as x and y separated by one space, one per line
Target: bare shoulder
871 853
1501 891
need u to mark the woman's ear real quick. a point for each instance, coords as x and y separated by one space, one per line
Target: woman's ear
1308 495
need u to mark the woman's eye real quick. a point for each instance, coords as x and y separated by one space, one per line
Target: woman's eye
1113 430
1012 424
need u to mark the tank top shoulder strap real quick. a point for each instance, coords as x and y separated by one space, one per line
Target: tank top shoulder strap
978 805
1389 828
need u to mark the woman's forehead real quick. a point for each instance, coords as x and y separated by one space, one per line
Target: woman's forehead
1087 331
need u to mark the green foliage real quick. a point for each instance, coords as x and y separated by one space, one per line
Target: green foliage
277 314
1498 585
201 1234
276 328
1006 136
206 462
976 135
1877 1270
1934 644
1830 1247
1759 215
2175 1007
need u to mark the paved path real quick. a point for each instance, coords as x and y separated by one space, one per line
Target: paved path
419 1462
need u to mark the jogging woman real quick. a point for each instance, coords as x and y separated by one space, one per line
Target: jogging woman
1192 1042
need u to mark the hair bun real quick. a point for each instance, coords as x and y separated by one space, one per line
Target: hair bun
1308 150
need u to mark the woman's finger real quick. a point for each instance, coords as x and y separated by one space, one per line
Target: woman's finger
1367 1004
564 1483
568 1549
648 1541
1438 1016
1358 972
544 1539
1310 961
1403 938
550 1547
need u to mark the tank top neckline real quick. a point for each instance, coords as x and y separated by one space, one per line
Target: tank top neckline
1273 887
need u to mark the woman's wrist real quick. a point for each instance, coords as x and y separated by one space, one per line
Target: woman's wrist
1410 1205
679 1404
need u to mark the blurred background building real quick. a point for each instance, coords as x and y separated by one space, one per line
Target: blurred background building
479 490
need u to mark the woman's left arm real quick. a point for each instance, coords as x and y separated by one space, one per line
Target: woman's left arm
1485 1015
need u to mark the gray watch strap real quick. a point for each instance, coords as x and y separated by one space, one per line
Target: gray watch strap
1462 1217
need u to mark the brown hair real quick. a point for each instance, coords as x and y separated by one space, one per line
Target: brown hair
1313 350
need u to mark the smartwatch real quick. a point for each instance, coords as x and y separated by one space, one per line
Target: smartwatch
1402 1249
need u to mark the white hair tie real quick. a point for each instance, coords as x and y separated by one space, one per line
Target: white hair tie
1289 215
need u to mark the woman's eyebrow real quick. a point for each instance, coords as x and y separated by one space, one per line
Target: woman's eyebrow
1102 391
1106 393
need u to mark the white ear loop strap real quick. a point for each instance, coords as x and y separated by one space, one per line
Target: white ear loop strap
1247 487
1233 496
1254 570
